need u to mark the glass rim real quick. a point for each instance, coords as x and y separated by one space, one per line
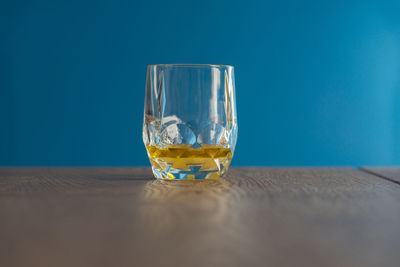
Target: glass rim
191 65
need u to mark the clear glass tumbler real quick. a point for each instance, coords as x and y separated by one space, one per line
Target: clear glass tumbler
190 126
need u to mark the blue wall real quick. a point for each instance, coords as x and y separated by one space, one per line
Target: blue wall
317 82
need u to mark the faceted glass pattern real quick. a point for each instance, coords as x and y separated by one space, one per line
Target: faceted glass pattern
190 126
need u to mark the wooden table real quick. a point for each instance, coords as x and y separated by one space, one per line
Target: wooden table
254 217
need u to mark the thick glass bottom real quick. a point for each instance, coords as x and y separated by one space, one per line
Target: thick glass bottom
184 175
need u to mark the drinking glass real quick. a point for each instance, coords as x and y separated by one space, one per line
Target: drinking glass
190 126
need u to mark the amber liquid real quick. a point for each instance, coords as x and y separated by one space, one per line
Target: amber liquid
210 160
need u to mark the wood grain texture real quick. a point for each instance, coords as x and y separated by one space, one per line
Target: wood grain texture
253 217
389 173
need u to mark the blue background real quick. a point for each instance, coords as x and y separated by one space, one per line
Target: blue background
317 82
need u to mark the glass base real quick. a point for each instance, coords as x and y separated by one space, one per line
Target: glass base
185 175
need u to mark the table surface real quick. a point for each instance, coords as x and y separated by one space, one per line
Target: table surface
253 217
